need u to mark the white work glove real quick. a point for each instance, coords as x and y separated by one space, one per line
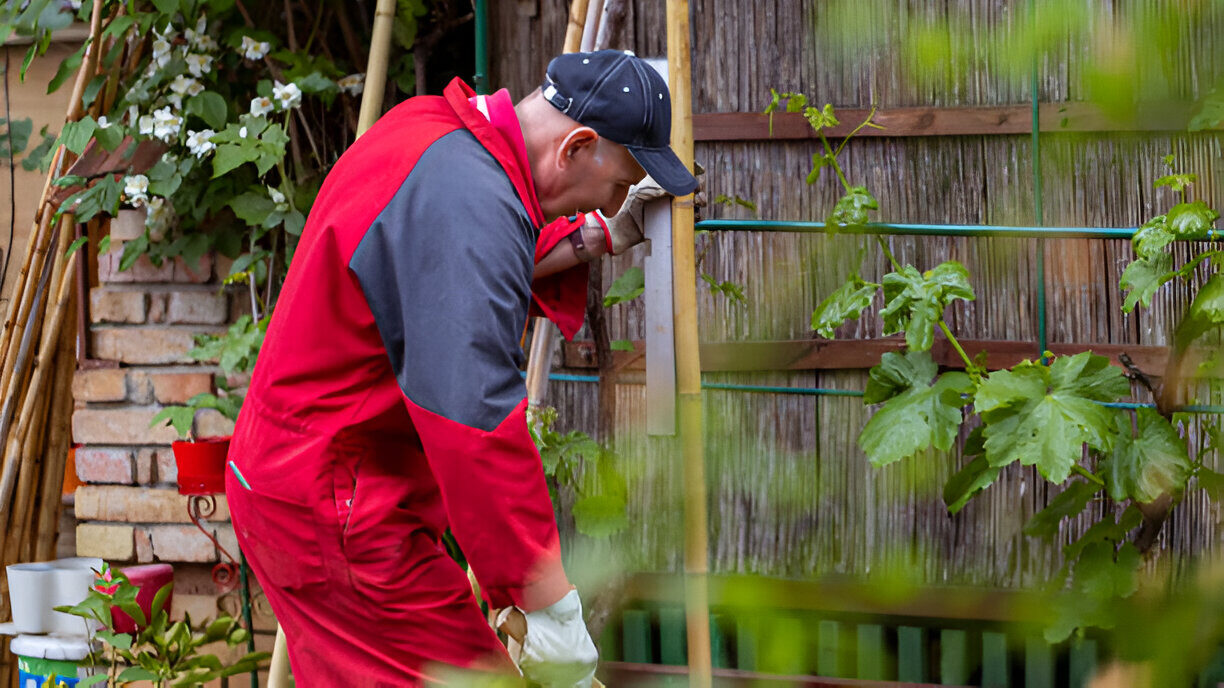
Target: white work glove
626 227
557 650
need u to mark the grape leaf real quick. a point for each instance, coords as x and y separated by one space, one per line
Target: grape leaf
1143 277
974 477
1044 416
846 303
1070 502
914 301
1148 465
916 413
852 208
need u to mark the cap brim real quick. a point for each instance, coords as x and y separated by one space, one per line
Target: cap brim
666 169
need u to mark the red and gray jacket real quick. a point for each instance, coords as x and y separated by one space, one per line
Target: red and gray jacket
399 329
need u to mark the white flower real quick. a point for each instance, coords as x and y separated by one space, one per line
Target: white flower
76 4
103 122
158 217
166 124
289 95
136 189
352 84
182 84
161 47
198 37
261 106
133 115
199 65
278 198
176 101
200 142
146 124
242 133
253 49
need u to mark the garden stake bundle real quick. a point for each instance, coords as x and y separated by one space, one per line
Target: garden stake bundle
38 359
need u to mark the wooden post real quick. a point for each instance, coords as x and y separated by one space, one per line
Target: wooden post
376 68
688 363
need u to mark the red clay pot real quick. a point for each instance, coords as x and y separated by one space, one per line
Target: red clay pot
201 465
149 578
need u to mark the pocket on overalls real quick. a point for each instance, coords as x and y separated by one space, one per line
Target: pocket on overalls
280 538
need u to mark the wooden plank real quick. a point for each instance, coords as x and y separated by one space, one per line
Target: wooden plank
635 625
911 654
746 642
871 663
829 650
786 650
1083 663
954 662
671 635
941 121
995 671
720 658
1038 664
631 674
853 354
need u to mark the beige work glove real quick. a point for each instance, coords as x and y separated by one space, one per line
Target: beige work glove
625 229
557 650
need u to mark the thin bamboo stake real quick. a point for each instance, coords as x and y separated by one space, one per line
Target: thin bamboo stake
376 68
18 545
590 29
688 364
577 23
37 383
23 300
58 442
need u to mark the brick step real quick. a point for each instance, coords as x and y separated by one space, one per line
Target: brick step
147 345
118 542
129 425
175 304
143 270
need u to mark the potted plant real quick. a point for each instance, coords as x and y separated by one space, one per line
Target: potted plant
163 651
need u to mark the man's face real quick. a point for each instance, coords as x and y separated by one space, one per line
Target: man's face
593 174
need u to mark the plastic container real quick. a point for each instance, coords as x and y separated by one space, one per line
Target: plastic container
40 657
35 589
201 465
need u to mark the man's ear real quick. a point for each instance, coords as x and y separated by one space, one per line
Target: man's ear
579 141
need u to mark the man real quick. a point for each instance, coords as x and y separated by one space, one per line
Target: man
387 404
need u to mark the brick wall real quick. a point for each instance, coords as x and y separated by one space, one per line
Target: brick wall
143 321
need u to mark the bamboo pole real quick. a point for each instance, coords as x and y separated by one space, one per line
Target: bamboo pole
577 22
58 441
376 68
688 364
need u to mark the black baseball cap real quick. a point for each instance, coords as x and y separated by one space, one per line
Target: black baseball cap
624 100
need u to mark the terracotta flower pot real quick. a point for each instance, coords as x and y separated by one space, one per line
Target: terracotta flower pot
201 465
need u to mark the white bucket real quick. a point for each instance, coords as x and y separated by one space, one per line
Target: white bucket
35 589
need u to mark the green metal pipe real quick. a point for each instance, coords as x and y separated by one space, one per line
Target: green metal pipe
998 231
480 80
1038 192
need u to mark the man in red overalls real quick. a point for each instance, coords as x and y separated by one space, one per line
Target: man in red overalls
387 404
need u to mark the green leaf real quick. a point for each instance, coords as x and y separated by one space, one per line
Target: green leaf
1151 239
851 209
1044 416
819 162
166 6
627 287
1212 482
228 157
974 477
915 302
76 244
1068 503
76 135
600 516
91 680
67 68
1153 463
180 417
846 303
622 345
1205 313
137 674
1143 277
1103 574
1191 219
252 207
123 641
1177 182
210 107
916 414
110 137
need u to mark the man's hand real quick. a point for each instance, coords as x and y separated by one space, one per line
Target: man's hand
626 227
557 650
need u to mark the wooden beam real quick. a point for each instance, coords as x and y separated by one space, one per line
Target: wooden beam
950 121
850 354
